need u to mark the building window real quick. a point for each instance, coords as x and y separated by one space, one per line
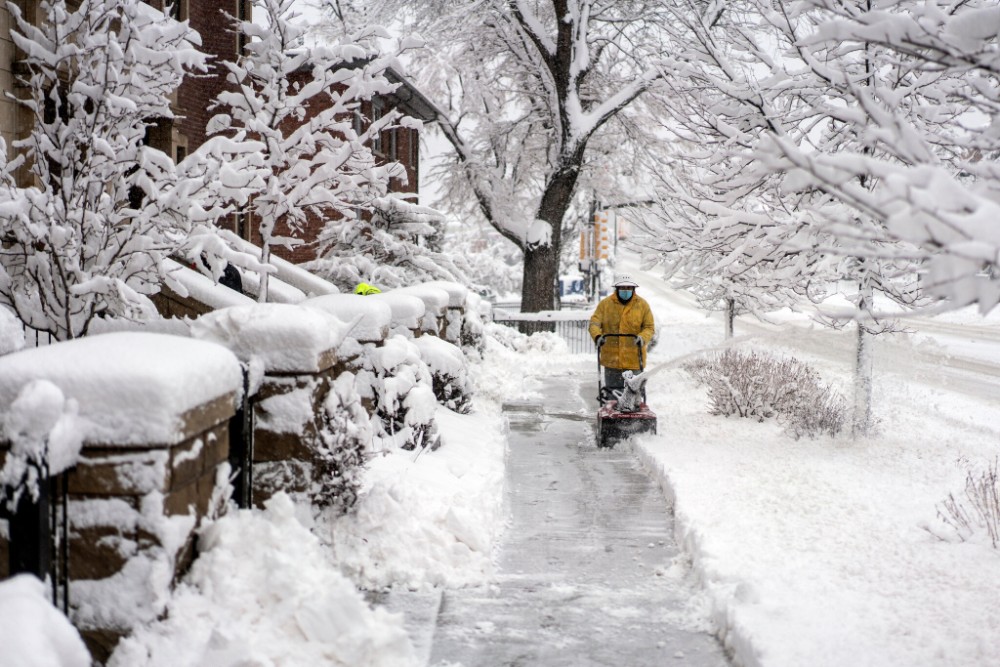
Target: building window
181 153
414 146
243 225
243 13
376 116
178 9
393 148
358 123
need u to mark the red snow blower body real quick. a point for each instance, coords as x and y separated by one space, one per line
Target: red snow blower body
623 411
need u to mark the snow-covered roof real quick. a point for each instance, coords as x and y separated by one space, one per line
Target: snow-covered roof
409 97
407 309
203 289
285 338
132 388
309 283
457 293
278 291
373 317
435 298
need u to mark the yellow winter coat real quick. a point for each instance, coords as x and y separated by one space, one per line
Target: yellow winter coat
611 317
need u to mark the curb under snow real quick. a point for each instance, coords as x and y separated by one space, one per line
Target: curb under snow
723 592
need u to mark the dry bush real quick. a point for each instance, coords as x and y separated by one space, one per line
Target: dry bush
754 385
983 497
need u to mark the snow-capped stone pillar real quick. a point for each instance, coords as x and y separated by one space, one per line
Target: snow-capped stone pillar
436 300
292 355
144 420
455 317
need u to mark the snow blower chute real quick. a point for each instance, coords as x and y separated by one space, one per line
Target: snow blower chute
623 410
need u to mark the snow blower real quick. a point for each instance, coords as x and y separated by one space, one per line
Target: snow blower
623 410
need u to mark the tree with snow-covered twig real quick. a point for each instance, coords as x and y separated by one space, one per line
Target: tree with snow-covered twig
88 236
299 103
750 89
526 88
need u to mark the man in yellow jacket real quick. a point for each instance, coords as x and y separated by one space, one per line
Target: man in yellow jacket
623 312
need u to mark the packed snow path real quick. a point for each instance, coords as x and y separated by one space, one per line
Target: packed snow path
585 573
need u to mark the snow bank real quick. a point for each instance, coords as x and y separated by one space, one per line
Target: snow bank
429 518
283 337
826 552
36 634
264 592
132 388
373 317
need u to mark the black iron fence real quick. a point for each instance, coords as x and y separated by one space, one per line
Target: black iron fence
38 533
568 325
241 447
36 338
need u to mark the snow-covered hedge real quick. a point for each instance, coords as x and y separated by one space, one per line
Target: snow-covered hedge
398 383
449 374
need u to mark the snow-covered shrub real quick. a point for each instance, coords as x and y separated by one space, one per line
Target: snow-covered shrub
400 387
333 439
982 492
340 453
473 326
449 375
754 385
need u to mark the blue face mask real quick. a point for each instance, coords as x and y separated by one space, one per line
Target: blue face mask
624 294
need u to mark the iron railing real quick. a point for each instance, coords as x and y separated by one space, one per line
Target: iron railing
241 428
38 534
569 326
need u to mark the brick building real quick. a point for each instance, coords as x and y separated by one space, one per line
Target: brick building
186 132
176 138
398 144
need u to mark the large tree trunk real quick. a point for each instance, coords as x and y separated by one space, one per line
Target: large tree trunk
541 269
541 263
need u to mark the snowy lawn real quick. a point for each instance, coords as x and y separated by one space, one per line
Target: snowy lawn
821 552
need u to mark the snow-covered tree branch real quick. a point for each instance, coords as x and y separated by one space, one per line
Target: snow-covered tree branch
88 237
297 102
526 87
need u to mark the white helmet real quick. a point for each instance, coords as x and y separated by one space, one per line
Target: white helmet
625 280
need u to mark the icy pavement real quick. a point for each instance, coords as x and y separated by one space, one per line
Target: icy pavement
584 573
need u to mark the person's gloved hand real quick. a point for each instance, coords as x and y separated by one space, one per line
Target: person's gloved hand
639 341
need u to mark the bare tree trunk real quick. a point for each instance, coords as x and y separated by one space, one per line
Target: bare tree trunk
863 367
730 317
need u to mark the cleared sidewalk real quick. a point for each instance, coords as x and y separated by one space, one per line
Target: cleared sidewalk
584 570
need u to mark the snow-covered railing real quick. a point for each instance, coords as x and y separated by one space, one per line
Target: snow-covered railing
570 325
